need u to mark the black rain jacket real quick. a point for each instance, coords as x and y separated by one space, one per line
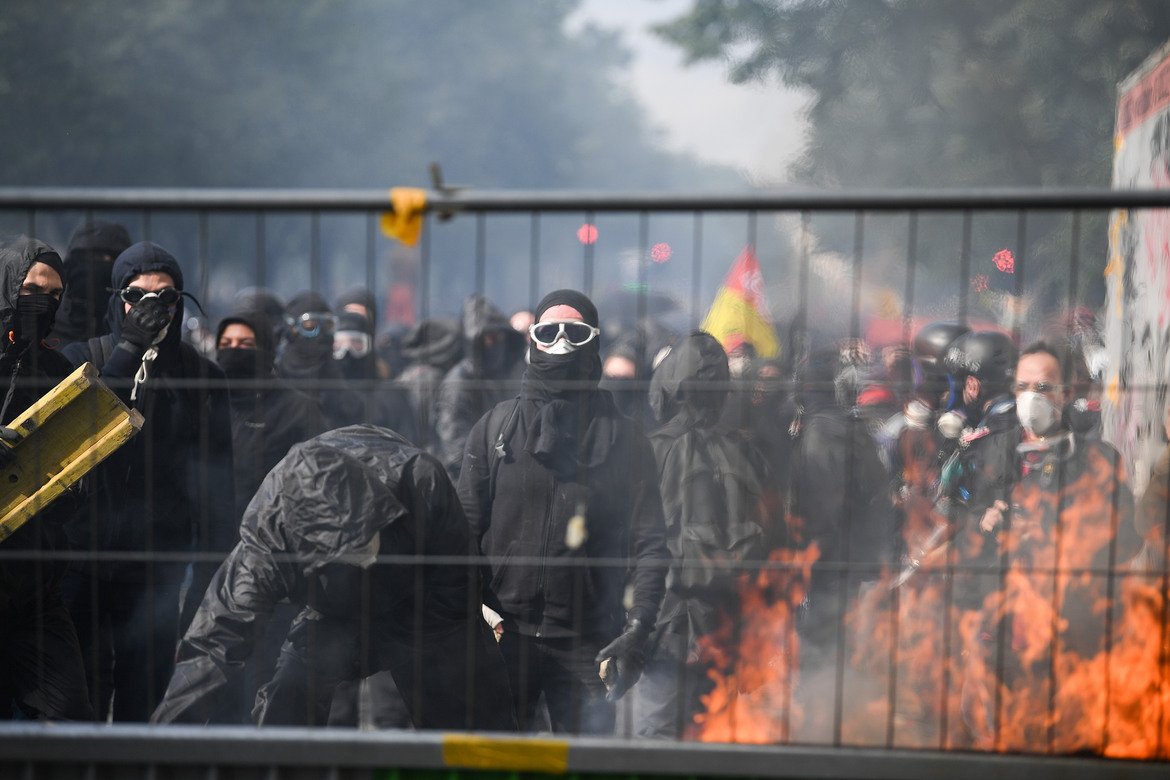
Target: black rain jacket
720 506
311 535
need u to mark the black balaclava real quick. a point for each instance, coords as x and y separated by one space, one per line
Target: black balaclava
305 356
363 297
90 257
26 319
352 366
565 375
243 363
576 425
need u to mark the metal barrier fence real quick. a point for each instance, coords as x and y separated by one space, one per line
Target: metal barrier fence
906 681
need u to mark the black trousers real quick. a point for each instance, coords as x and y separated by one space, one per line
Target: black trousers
448 679
128 632
40 660
563 670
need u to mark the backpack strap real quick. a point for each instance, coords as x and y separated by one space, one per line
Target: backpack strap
100 349
500 449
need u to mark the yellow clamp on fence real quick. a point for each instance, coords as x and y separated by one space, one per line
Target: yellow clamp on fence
467 751
406 220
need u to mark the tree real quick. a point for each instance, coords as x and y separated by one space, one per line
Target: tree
945 93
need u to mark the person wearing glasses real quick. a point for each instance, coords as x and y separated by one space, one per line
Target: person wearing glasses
562 496
165 495
306 359
1061 533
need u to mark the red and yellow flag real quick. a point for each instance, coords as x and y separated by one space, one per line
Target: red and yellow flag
740 311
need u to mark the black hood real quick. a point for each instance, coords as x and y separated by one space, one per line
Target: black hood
434 342
692 379
143 258
17 255
331 495
480 316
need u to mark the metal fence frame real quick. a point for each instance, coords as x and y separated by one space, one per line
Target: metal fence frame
128 751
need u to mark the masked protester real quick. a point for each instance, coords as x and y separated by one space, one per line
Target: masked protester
430 348
720 507
41 671
837 493
306 360
312 535
1056 509
268 416
493 360
558 476
92 250
167 491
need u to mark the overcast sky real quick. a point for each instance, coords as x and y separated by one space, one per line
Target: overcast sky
755 127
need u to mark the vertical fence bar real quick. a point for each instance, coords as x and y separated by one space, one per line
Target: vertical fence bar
315 252
533 260
481 254
696 265
588 258
261 275
965 267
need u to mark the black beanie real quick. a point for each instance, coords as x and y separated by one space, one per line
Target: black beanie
577 300
100 235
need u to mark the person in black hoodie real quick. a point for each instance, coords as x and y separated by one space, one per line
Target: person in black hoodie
313 535
92 250
306 359
268 416
167 492
721 508
493 360
840 502
558 485
383 403
41 669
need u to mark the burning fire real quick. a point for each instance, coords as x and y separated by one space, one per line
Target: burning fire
1068 653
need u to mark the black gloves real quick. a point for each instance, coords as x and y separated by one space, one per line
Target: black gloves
626 656
145 320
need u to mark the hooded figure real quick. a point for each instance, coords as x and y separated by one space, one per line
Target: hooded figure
312 535
383 403
557 485
268 416
430 349
92 250
838 493
493 360
719 508
306 359
41 670
169 490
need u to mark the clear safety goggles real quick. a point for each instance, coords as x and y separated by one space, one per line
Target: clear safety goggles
355 343
168 296
575 332
312 324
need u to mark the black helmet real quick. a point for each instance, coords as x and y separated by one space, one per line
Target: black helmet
930 345
987 355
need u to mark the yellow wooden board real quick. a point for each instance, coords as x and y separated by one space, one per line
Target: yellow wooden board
67 432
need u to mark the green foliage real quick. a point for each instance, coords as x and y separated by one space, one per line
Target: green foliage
940 92
317 93
948 93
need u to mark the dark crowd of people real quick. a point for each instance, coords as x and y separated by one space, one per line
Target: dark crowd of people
511 522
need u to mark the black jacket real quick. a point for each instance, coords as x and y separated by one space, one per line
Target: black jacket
520 513
719 500
28 371
312 535
169 488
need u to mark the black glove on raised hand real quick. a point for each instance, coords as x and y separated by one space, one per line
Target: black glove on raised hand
145 320
627 656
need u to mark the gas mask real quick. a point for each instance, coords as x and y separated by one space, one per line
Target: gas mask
1037 413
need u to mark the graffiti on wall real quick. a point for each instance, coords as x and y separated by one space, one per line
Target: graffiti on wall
1137 316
